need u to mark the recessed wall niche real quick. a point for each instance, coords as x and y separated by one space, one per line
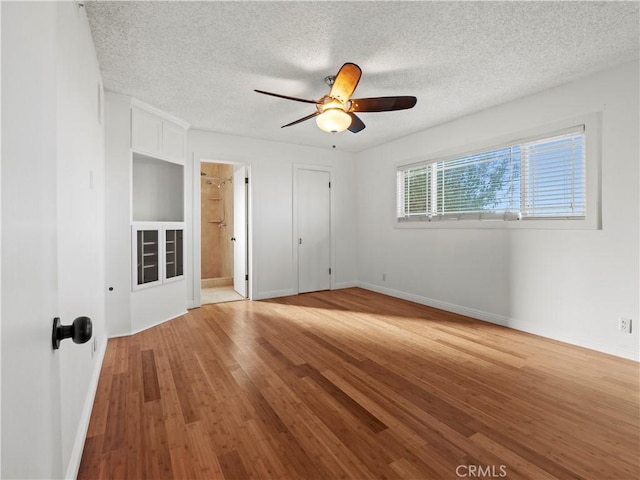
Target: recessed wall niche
157 190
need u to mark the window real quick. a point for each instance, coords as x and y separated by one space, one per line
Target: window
543 177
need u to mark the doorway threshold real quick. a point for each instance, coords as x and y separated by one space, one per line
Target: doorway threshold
219 295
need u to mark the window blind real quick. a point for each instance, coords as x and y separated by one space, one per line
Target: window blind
414 189
536 178
554 179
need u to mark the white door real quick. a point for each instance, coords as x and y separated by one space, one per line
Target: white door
314 230
31 424
53 238
240 277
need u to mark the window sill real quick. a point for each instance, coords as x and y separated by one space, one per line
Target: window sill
494 223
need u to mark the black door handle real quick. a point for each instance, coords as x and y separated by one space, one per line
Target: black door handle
80 331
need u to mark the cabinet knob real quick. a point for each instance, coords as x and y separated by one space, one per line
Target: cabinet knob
233 239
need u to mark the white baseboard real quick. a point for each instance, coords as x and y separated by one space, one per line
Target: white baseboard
117 335
528 327
192 304
147 327
573 339
430 302
275 294
291 291
341 285
83 427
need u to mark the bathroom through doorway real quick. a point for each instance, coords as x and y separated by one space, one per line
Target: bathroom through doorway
219 233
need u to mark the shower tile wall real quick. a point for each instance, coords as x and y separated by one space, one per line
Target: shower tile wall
217 221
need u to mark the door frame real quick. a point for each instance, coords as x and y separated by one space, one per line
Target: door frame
332 237
195 272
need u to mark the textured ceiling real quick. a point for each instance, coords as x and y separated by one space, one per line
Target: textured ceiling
200 61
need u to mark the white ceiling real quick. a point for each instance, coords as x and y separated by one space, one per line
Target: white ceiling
200 61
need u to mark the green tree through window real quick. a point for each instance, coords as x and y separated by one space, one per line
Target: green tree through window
544 177
476 183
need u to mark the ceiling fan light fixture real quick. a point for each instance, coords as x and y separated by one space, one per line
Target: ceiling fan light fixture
336 112
333 120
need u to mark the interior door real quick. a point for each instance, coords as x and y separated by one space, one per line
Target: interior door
240 277
314 230
31 424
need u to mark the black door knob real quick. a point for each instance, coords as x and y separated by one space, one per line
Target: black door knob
111 289
79 331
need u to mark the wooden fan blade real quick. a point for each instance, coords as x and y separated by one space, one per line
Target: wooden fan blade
346 82
301 119
286 97
382 104
356 124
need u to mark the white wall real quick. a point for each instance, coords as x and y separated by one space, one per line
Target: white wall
158 190
118 153
81 221
133 311
271 197
571 285
53 251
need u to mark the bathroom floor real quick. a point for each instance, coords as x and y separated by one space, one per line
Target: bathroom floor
219 295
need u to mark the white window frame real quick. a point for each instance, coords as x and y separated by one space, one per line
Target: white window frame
592 151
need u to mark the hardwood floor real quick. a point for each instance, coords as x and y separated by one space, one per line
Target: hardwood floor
353 384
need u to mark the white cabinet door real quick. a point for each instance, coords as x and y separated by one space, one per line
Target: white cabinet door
314 230
146 132
146 247
173 254
155 136
173 140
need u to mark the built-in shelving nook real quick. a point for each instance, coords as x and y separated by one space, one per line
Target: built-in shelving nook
157 190
147 147
157 228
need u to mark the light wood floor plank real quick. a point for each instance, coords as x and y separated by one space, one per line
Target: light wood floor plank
354 384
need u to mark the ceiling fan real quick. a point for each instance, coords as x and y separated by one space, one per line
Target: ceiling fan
336 112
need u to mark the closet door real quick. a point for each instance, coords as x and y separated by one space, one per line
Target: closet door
314 230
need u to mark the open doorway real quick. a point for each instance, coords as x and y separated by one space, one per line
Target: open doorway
223 219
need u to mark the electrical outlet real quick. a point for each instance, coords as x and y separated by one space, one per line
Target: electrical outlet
624 325
384 277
